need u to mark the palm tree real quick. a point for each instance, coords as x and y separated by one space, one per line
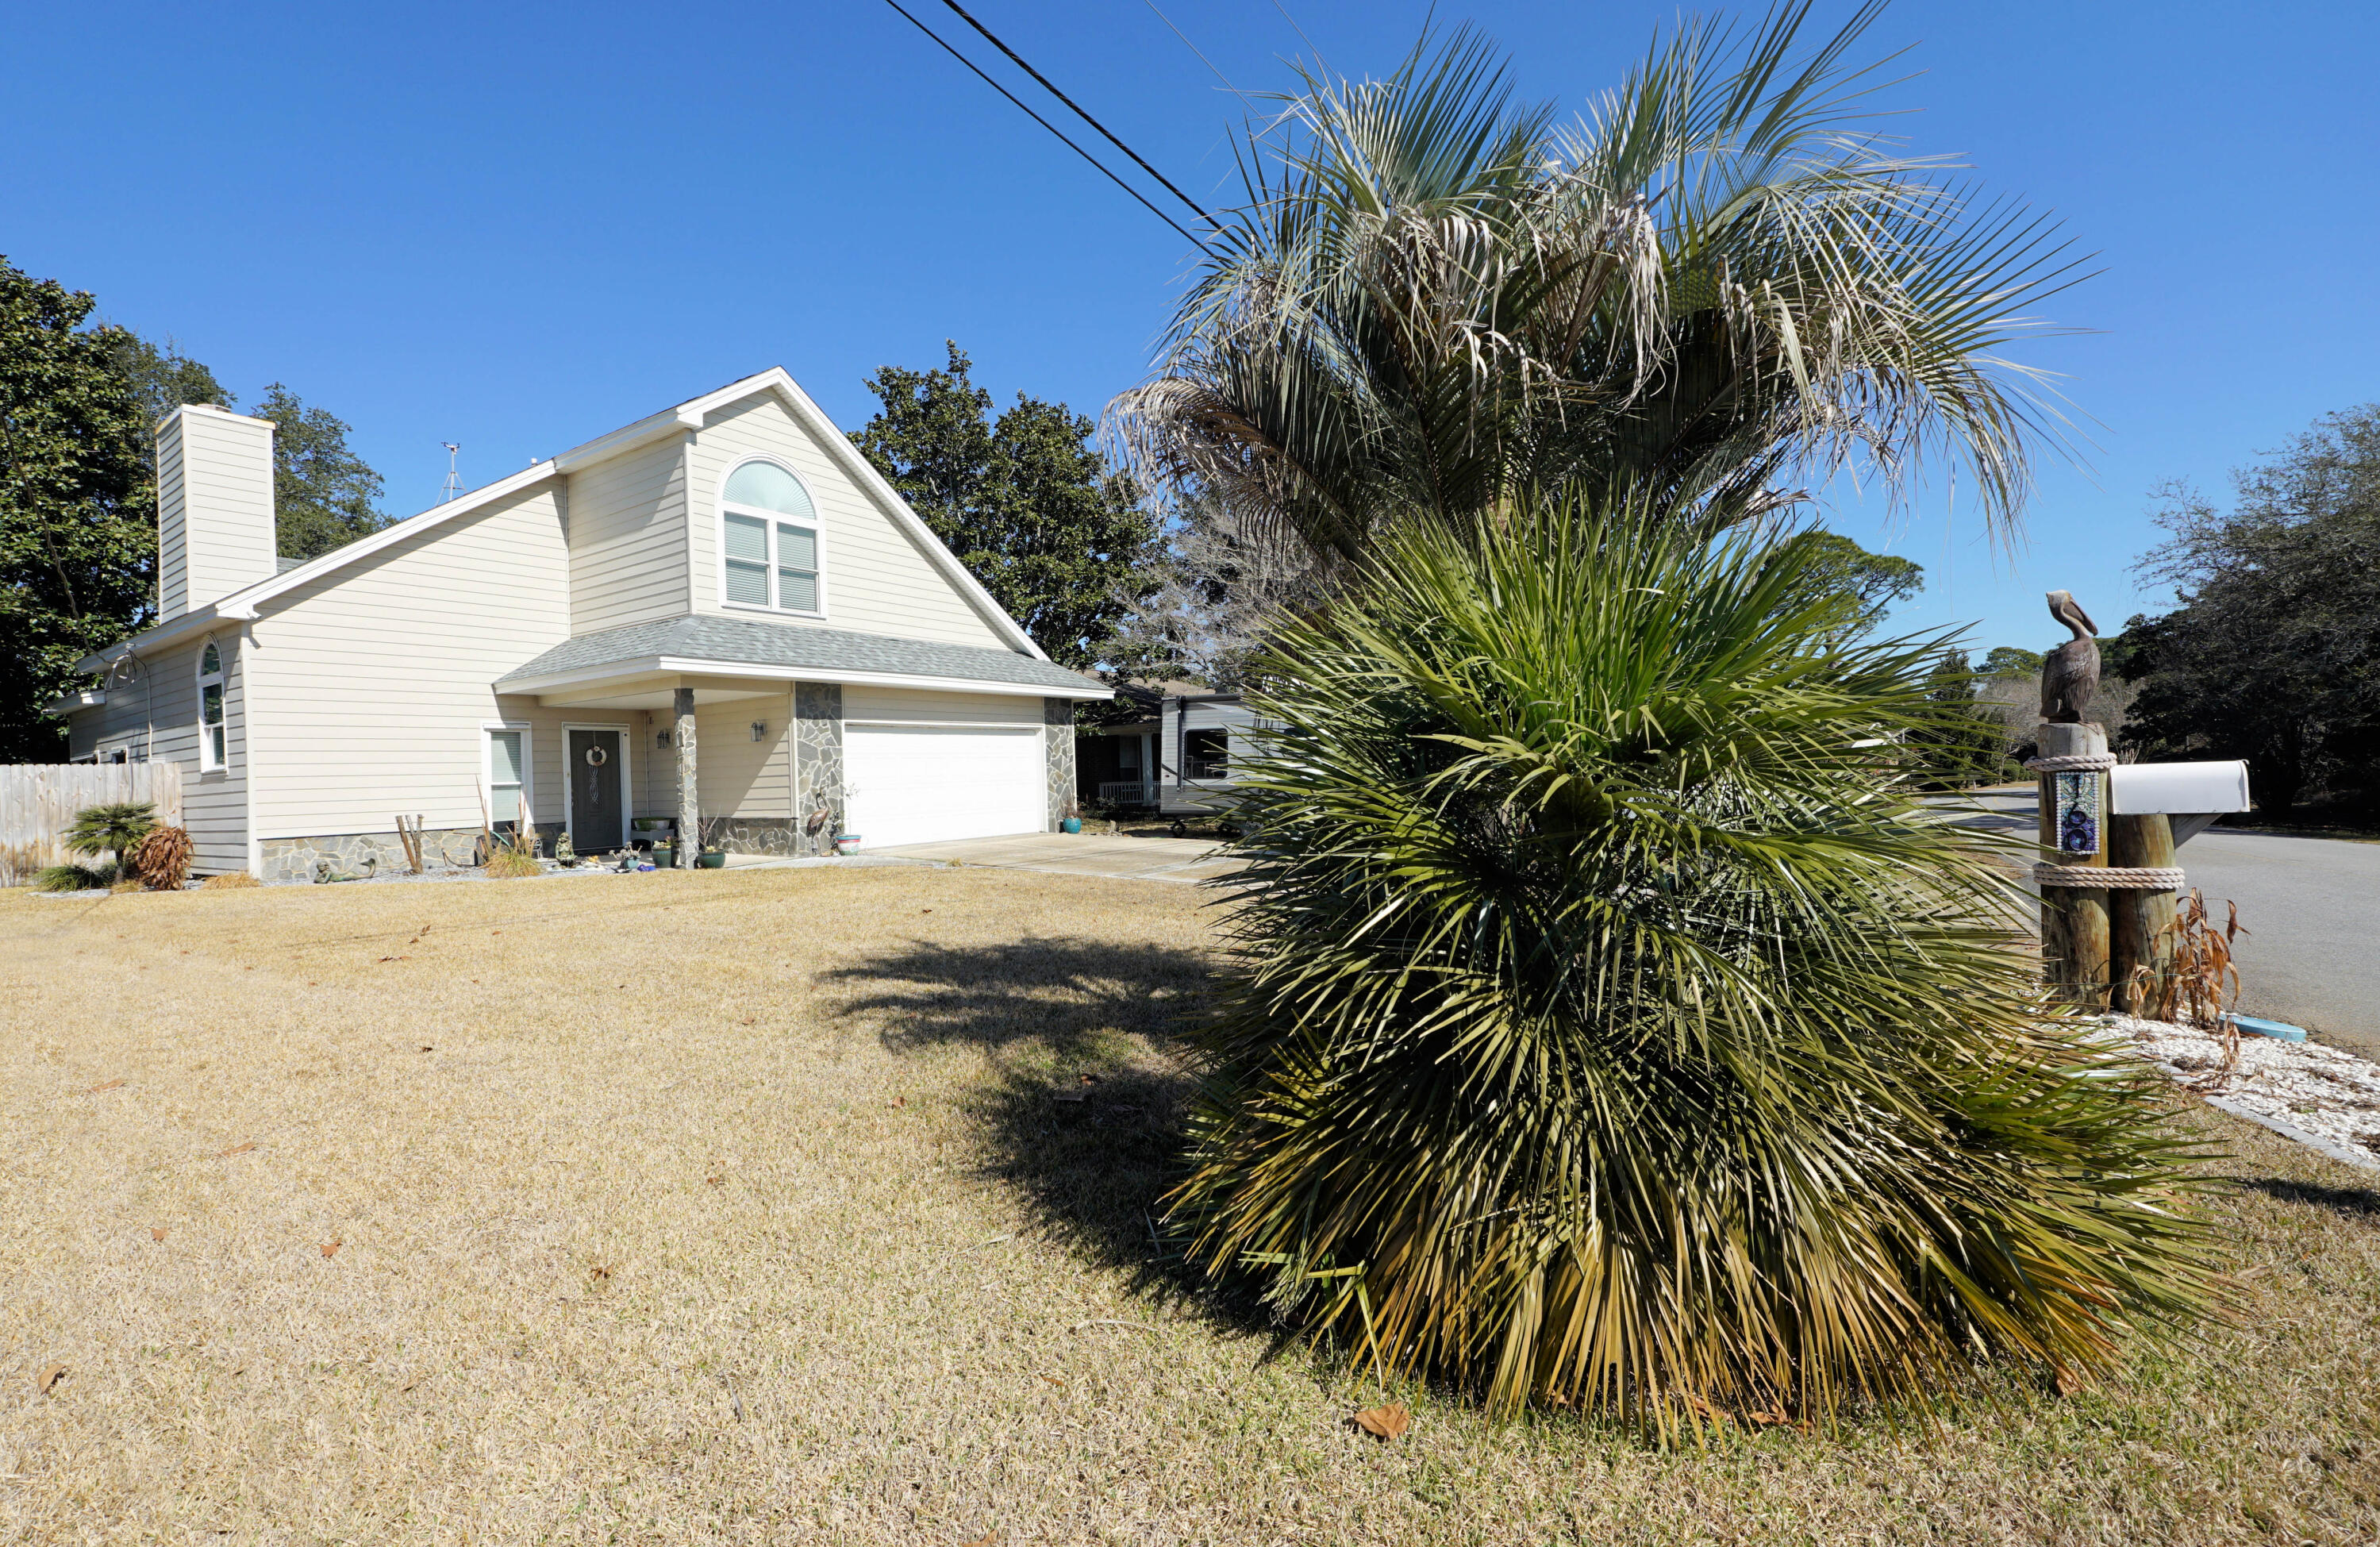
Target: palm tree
1719 280
112 830
1614 1026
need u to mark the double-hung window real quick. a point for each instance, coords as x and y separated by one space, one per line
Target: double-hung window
212 745
507 774
768 541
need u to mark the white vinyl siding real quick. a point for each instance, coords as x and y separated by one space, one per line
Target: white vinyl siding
628 552
876 580
377 675
214 508
735 776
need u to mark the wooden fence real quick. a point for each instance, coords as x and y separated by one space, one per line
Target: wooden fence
38 801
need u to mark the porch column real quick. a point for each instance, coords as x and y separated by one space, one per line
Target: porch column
689 813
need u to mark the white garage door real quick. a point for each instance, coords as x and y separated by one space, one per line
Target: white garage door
923 784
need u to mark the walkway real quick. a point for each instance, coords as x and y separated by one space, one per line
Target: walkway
1180 859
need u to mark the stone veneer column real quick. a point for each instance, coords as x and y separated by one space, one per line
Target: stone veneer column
1058 717
818 766
689 797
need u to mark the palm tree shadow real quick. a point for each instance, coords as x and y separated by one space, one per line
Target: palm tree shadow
2354 1202
1083 1119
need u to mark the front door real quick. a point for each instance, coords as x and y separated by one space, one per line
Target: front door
597 764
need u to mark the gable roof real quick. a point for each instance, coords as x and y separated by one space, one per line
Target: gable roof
701 644
240 605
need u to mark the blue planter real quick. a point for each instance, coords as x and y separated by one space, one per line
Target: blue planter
1072 824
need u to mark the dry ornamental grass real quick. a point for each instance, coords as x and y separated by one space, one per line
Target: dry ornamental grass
748 1207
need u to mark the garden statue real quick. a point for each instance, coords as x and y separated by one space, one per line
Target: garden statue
2070 675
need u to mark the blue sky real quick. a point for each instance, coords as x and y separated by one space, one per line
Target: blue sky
517 227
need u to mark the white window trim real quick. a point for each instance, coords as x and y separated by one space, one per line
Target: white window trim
488 767
627 783
722 508
220 677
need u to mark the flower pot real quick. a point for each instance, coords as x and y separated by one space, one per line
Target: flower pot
1072 824
846 843
714 859
663 856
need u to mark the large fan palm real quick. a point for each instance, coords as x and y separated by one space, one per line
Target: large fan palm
1718 280
1616 1028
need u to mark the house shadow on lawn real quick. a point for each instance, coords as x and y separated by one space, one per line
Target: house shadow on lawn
1082 1118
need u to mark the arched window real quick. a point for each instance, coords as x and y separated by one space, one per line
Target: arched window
768 541
210 707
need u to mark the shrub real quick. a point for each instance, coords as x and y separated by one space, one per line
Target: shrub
75 878
163 858
516 856
1610 1028
110 829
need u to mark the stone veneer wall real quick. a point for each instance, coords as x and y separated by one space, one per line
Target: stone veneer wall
1058 715
818 769
443 848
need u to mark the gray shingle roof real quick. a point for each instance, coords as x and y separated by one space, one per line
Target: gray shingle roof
827 651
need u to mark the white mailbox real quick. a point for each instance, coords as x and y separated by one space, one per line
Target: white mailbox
2178 788
2192 794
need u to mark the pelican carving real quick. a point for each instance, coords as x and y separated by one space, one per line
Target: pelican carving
2070 675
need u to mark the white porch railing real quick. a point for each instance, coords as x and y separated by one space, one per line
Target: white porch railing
1127 792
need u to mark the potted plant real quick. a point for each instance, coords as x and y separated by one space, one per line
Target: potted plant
1072 821
708 855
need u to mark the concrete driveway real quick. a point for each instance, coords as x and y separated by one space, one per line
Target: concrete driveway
2311 908
1179 860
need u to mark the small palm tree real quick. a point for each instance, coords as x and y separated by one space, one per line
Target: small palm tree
1614 1026
112 830
1723 277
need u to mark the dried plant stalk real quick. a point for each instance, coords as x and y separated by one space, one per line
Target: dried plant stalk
162 860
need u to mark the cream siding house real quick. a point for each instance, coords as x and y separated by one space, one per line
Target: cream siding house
720 614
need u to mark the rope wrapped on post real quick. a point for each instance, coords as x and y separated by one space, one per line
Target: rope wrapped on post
2112 877
2076 763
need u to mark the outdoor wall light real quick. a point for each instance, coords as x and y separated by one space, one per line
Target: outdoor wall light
660 739
760 730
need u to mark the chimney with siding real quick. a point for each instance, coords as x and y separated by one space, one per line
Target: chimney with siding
214 506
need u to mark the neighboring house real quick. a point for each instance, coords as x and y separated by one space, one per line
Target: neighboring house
721 611
1177 758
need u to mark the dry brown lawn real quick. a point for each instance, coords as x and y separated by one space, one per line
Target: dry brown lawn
759 1207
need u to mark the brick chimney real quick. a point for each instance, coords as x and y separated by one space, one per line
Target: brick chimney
214 506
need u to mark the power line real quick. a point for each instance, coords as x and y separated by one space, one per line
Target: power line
1045 124
1085 117
1195 49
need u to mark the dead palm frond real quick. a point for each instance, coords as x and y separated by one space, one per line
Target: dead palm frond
1613 1029
1720 281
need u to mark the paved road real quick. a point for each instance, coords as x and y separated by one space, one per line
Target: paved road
2310 906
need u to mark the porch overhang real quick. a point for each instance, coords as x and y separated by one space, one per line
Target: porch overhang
732 657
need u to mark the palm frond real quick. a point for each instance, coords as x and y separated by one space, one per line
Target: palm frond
1615 1027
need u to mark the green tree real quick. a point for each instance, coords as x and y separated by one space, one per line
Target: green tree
1604 1028
2273 654
1876 582
2012 661
1024 500
324 496
77 517
163 380
1728 275
1959 745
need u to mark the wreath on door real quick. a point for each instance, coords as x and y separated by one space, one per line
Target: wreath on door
597 757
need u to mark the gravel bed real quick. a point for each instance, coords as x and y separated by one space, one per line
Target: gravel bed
2333 1096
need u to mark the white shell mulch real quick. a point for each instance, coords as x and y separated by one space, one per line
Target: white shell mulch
2332 1096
